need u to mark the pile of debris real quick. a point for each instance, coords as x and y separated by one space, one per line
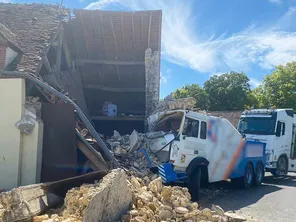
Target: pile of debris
155 202
131 199
124 148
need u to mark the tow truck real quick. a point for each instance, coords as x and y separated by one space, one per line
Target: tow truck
208 149
276 128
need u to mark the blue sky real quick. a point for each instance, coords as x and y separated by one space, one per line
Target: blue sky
205 37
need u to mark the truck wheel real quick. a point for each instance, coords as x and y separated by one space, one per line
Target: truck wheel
259 174
194 184
282 166
249 176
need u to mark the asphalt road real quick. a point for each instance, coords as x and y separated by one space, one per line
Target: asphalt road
274 201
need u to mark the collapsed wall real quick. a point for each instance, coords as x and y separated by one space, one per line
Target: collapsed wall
152 77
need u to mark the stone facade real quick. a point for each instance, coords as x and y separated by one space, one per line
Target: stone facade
152 76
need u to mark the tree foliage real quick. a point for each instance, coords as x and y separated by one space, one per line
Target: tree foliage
195 91
228 91
231 91
279 88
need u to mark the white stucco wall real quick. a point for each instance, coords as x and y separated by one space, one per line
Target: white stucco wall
32 156
12 100
20 154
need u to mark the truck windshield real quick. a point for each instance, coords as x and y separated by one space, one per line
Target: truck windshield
257 125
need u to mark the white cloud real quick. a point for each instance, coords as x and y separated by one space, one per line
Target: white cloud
163 79
5 1
254 83
266 47
275 1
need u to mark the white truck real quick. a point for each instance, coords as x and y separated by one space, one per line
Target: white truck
208 149
276 128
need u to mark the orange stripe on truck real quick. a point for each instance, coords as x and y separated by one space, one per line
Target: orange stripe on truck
234 159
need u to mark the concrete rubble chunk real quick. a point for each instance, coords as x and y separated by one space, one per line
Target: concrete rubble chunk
232 217
23 203
135 141
218 209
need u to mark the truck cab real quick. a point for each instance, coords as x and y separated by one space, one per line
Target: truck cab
209 149
276 128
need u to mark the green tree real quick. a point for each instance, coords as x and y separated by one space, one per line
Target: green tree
228 91
195 91
279 88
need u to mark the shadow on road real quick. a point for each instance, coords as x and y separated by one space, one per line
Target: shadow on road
238 198
281 181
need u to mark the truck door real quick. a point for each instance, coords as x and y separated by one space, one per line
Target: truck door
194 137
292 161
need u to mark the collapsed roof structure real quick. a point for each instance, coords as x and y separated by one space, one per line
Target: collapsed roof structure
95 56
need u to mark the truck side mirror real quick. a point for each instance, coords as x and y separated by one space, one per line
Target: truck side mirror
278 129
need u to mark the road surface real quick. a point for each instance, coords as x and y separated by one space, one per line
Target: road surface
274 201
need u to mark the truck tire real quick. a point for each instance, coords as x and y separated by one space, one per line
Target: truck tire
249 176
259 174
194 183
247 180
282 166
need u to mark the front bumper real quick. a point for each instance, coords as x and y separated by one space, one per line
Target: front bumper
271 165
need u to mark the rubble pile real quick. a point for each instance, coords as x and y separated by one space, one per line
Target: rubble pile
155 202
132 199
124 148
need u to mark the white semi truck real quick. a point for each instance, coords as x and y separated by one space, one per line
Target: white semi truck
276 128
208 149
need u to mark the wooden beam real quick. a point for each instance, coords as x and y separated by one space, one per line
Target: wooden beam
122 32
115 43
98 163
47 64
108 62
103 35
59 51
118 118
133 31
114 89
67 52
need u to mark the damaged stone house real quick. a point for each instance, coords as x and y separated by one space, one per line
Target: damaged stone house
94 57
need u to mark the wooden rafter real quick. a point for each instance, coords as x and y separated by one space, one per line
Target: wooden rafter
103 35
114 89
95 31
108 62
59 50
122 32
133 29
115 43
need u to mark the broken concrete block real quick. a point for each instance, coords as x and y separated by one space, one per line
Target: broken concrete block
23 203
232 217
135 141
112 201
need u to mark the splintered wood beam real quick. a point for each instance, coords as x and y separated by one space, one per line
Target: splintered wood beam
47 64
59 51
114 89
108 62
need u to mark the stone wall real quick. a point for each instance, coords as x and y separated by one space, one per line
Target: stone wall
152 76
